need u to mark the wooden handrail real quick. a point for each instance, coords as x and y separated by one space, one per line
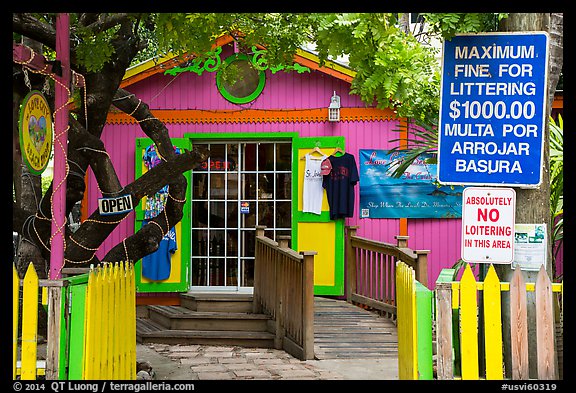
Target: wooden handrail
371 266
284 290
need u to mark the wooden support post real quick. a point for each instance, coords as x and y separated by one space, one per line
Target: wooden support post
422 266
280 330
402 241
283 241
53 330
308 304
256 304
350 264
445 369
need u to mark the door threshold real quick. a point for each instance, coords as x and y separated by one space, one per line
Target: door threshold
222 290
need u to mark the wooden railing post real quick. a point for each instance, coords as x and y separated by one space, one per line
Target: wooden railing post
260 230
308 304
350 264
280 329
401 241
422 266
283 241
256 304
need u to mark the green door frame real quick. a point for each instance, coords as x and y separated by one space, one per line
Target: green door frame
183 244
323 142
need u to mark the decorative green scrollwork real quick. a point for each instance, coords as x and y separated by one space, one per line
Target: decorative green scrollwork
198 66
258 60
260 63
213 63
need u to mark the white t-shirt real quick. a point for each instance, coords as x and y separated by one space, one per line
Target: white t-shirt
312 192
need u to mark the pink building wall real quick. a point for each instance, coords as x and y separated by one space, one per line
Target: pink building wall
283 91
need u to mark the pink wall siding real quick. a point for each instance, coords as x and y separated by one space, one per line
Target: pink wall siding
282 91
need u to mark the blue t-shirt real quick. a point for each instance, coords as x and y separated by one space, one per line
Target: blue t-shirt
156 266
339 185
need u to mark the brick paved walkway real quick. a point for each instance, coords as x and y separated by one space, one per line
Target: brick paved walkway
203 362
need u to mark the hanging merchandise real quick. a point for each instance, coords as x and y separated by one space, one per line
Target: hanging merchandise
157 266
340 175
155 203
312 191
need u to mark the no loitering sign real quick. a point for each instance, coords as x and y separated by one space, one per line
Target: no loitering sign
488 218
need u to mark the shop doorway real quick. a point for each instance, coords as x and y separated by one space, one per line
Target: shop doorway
241 185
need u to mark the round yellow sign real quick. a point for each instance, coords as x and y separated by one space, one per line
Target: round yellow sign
35 132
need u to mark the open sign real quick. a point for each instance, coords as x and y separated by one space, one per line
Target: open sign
116 205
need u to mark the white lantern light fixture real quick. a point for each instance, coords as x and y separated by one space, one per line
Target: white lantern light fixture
334 108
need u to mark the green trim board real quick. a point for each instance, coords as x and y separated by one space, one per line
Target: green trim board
328 267
77 322
181 283
233 136
336 287
72 319
424 331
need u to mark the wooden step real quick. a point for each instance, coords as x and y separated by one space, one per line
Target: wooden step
226 302
182 318
149 331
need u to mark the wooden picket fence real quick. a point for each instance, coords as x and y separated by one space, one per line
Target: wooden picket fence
457 340
414 322
91 325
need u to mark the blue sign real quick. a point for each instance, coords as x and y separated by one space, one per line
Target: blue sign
492 109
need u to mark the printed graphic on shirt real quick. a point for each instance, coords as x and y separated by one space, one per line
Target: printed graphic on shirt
155 203
312 190
339 185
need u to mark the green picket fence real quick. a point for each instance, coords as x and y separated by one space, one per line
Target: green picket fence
414 321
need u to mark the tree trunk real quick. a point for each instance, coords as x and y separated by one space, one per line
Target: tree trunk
533 205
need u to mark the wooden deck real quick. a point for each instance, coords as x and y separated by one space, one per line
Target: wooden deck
346 331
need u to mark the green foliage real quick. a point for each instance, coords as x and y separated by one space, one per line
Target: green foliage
447 25
393 69
94 50
557 180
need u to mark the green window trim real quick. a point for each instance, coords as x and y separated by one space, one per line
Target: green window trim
240 100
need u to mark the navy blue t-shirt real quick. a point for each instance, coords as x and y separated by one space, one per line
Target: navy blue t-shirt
339 185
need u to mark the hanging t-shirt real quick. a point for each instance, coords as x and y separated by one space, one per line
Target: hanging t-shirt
339 185
157 266
155 203
312 191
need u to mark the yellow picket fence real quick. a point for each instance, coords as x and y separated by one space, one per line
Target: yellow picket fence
110 323
105 346
27 368
455 299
